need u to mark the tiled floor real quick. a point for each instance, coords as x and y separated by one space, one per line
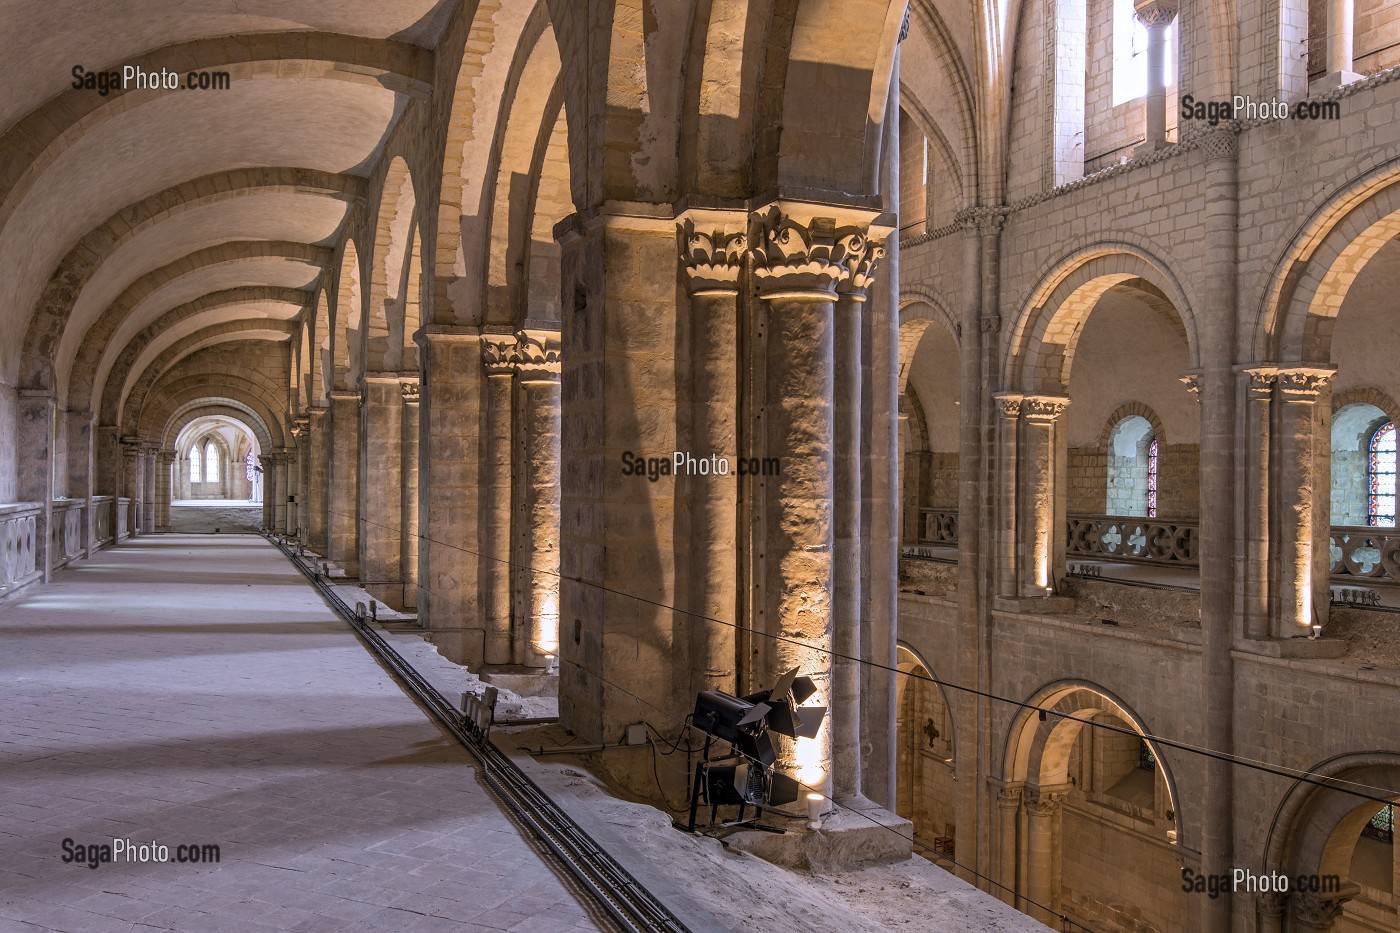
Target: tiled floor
186 689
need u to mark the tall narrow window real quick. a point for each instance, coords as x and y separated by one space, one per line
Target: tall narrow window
196 465
1130 54
1152 479
211 463
1380 476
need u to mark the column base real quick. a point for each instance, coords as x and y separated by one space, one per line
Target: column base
859 832
1330 82
164 529
1151 146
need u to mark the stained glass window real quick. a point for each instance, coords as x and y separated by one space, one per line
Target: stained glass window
1146 760
1382 825
196 465
1380 476
249 465
1152 479
211 463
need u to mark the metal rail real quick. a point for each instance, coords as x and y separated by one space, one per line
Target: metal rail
614 889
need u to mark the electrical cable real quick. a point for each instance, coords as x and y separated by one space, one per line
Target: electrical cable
1378 794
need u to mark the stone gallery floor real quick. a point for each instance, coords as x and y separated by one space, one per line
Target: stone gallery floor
194 516
183 689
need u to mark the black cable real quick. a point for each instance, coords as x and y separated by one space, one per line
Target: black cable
1381 795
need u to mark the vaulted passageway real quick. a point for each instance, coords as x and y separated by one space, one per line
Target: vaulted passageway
188 689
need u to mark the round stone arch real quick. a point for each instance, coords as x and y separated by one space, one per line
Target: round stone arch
1368 395
1313 277
211 375
224 407
1037 751
395 222
908 658
1040 350
1314 830
918 308
347 345
321 363
484 71
1128 410
257 399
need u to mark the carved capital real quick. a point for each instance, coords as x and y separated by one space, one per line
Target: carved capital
815 259
1009 798
1222 142
1044 409
536 355
1273 904
1259 382
990 323
1192 381
1155 12
1303 384
496 350
1042 803
983 220
711 259
409 389
1317 912
1009 405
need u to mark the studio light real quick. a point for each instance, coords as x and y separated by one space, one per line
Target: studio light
745 723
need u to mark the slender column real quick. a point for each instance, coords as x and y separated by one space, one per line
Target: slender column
284 505
847 557
1008 436
1041 843
34 465
408 571
536 357
381 482
148 487
1040 414
1341 30
797 269
712 261
1258 393
269 478
498 420
302 434
131 481
344 499
1008 816
164 460
1299 389
1157 16
318 474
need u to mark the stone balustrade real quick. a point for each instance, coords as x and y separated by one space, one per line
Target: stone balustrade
103 508
1134 538
938 526
19 528
66 531
1362 551
123 522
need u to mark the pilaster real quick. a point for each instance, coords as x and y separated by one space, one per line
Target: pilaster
343 520
381 495
537 365
409 388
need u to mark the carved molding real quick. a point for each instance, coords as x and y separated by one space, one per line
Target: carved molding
409 389
1223 142
1259 381
1192 381
1044 409
712 260
982 220
1319 913
1041 803
1009 798
990 323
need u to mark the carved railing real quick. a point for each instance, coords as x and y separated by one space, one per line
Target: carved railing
123 518
66 531
103 508
1130 538
938 526
1372 554
19 530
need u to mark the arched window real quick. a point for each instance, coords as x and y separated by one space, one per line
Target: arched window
211 463
196 465
249 466
1133 468
1130 54
1380 476
1152 479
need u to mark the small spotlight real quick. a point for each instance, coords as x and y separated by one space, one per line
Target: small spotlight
1317 631
814 811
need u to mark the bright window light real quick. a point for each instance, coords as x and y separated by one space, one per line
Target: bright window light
1130 54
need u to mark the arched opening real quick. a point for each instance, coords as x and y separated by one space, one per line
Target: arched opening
1363 466
1089 827
925 787
212 451
1134 460
929 432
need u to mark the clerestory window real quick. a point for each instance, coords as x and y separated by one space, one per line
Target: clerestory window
196 465
211 463
1380 476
